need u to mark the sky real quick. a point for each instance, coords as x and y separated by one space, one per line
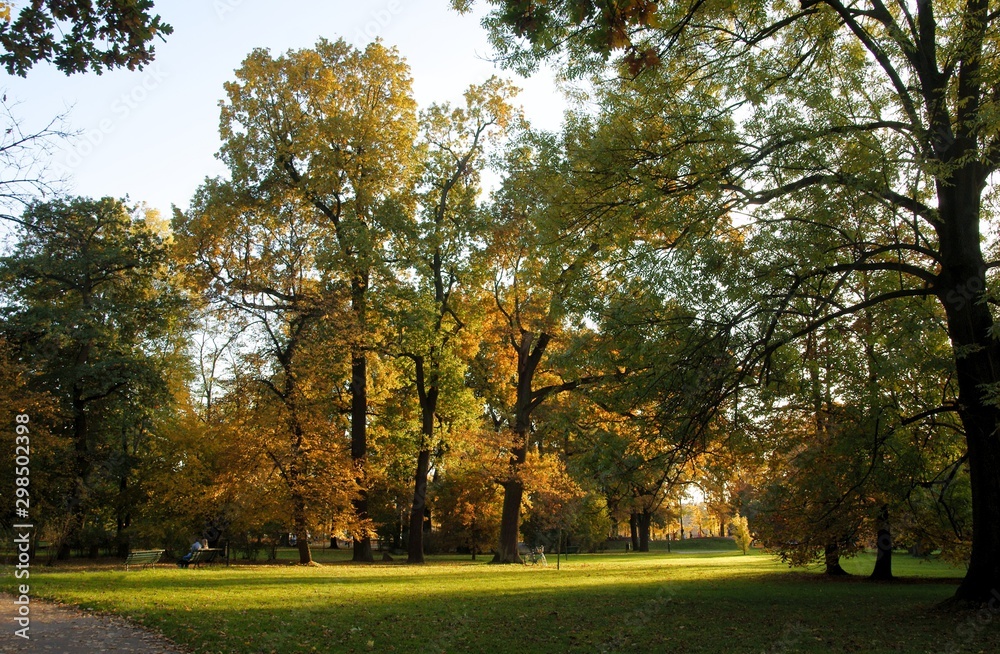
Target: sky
152 135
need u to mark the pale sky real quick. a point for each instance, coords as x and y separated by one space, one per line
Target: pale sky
153 134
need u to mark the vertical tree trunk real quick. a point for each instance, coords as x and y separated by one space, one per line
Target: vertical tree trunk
644 520
831 555
510 518
82 463
300 525
415 547
633 528
883 556
961 283
359 454
359 419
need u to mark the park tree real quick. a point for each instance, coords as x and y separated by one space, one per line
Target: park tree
741 531
537 262
94 314
254 259
79 35
892 103
434 310
332 129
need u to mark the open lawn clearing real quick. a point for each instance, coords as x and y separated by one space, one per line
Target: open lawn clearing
705 602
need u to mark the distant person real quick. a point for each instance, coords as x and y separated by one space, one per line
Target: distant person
186 559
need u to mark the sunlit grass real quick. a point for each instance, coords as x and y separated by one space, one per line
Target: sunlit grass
678 602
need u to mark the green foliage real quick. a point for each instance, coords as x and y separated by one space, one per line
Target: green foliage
92 307
112 34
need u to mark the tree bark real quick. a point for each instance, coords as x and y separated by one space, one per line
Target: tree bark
415 547
427 393
359 451
977 362
633 528
301 528
359 421
883 544
831 555
510 518
643 521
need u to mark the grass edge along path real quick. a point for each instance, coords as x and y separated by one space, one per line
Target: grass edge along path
679 602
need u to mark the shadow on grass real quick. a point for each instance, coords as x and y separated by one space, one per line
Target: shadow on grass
650 604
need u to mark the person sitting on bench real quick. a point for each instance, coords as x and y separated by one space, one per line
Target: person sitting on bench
195 546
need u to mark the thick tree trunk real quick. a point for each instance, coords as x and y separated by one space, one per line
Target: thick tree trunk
510 522
831 555
510 518
633 529
977 362
883 544
643 520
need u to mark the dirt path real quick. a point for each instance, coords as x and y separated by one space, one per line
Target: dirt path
59 629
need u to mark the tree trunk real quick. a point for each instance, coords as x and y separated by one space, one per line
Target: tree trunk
643 521
510 519
415 549
359 423
301 529
427 393
883 556
633 528
831 554
82 463
961 283
124 518
121 538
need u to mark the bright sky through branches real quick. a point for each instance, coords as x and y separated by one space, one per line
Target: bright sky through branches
153 134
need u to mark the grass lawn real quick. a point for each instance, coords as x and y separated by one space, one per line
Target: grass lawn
684 601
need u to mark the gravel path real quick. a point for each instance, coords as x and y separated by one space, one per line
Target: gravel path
60 629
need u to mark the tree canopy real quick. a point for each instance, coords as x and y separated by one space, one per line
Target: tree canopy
100 36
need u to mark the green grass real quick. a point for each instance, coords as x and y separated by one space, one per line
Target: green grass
678 602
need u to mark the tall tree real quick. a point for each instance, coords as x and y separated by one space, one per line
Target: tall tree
333 128
454 142
538 260
254 258
892 102
93 311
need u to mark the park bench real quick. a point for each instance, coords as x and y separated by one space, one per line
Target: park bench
142 558
206 555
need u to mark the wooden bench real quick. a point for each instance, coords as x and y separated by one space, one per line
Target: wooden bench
142 558
206 555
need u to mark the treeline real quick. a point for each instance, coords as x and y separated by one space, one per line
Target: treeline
352 333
